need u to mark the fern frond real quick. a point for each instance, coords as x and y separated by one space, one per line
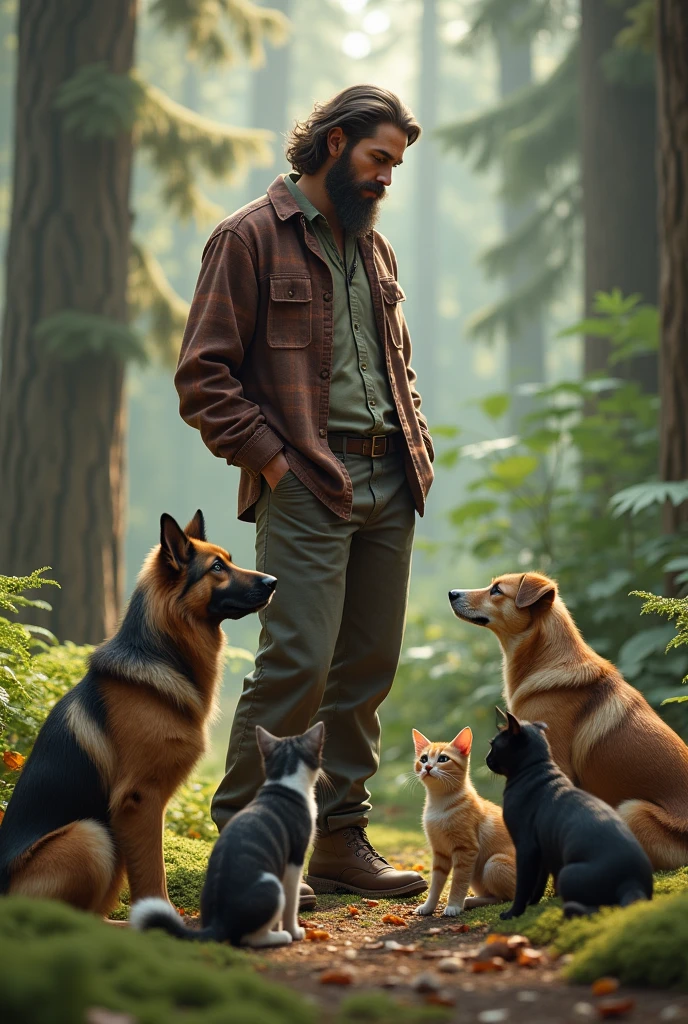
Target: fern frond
72 333
96 103
202 22
152 297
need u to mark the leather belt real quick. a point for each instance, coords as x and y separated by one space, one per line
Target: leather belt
382 444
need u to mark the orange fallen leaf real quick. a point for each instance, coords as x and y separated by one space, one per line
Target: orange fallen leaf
193 834
604 986
394 919
371 903
608 1008
13 760
354 911
317 935
440 999
495 963
2 815
418 867
529 957
337 976
459 928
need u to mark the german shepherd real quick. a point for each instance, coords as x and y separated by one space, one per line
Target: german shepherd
603 733
90 802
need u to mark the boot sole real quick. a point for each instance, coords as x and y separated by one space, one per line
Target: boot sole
307 902
326 885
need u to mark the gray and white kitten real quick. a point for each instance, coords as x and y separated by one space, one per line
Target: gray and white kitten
250 895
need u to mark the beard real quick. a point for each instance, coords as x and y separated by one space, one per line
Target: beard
357 213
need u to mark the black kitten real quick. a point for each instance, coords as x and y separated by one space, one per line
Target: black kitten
251 892
560 830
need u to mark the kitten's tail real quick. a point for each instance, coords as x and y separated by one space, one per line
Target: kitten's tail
157 913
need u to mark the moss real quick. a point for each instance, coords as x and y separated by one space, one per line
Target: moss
186 861
60 962
379 1008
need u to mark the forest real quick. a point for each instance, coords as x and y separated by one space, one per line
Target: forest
541 230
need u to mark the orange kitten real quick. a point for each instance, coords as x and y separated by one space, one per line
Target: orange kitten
465 832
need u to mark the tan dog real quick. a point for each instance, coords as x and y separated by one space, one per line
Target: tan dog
602 731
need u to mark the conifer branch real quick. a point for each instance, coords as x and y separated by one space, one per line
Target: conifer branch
201 21
523 19
153 299
71 333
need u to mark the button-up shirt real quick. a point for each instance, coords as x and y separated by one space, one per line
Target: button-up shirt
360 395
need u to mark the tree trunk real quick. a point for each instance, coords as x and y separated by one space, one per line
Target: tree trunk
618 133
269 106
525 349
672 44
61 422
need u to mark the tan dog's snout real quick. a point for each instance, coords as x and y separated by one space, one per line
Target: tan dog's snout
464 608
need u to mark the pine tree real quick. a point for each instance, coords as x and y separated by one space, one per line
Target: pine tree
81 109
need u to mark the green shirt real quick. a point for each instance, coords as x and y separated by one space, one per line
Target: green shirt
360 395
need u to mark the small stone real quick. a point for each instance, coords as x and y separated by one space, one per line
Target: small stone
468 986
426 982
584 1010
526 996
350 954
493 1016
391 981
672 1012
433 931
332 949
403 969
449 965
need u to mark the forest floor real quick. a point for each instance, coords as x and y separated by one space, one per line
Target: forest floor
434 968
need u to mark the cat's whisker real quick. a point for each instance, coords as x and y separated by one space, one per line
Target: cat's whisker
325 783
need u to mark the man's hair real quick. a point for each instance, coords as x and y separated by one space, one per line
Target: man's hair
358 111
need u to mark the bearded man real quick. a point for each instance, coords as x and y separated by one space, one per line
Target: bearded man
295 366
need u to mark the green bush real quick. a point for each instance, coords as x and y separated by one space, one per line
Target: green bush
56 963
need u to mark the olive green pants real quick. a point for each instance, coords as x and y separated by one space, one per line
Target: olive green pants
331 636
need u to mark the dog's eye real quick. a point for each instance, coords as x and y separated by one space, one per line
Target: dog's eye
423 758
443 757
217 566
494 589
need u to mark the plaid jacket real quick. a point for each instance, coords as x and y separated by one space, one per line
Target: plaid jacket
254 368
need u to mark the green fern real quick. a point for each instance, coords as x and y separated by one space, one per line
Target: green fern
676 610
16 639
71 334
96 103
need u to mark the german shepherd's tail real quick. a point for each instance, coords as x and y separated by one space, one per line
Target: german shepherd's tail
157 913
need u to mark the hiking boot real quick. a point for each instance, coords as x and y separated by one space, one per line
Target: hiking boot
307 898
345 861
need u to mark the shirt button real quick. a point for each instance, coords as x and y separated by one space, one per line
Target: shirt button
364 366
327 296
322 432
324 374
290 293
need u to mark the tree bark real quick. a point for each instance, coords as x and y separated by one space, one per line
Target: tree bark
61 422
672 46
618 133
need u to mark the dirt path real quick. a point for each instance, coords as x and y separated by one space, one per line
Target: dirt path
354 947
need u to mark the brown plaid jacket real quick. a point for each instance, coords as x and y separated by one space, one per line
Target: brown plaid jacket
254 368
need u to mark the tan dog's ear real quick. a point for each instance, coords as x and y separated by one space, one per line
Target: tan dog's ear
463 742
419 741
535 588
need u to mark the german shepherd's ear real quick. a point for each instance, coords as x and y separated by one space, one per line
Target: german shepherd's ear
196 528
514 724
174 544
535 588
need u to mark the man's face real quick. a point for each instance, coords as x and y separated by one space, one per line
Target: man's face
359 177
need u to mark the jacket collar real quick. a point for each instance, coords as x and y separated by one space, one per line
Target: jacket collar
285 206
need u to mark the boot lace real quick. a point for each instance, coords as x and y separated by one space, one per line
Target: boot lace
357 840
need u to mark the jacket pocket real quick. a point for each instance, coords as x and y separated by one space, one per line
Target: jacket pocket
289 312
393 295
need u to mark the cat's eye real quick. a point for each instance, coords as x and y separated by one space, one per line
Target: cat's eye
423 758
495 589
443 757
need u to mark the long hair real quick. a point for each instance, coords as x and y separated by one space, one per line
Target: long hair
358 111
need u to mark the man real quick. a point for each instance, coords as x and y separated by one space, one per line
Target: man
295 366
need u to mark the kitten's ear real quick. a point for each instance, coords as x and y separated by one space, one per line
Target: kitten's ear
463 742
266 741
514 724
315 737
420 742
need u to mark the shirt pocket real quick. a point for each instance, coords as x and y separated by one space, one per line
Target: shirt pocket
289 312
393 295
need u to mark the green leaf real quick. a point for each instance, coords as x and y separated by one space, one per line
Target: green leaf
448 458
633 653
495 406
514 470
72 333
641 496
472 510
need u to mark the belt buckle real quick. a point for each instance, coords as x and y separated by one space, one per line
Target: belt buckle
374 452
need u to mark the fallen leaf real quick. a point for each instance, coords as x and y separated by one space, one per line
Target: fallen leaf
459 928
418 867
433 931
338 976
394 919
193 834
2 815
517 942
13 760
604 986
371 903
354 911
608 1008
317 935
529 957
440 999
496 963
496 947
396 947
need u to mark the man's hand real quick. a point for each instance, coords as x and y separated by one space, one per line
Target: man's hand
275 469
